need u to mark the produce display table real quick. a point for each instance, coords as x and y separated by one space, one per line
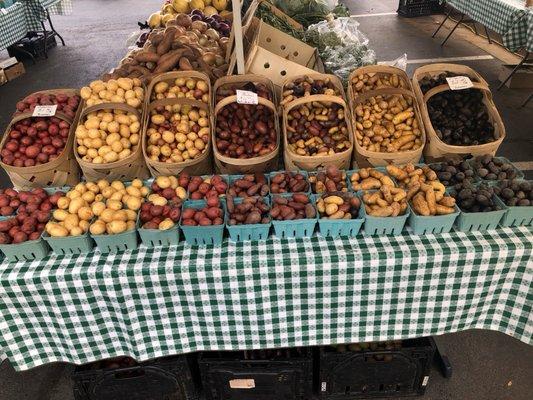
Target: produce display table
292 292
13 25
37 11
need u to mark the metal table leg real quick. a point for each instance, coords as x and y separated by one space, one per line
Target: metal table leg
54 29
16 49
516 68
45 40
453 30
442 23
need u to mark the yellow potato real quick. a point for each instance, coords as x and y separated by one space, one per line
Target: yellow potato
63 203
114 204
167 223
98 228
58 231
71 221
85 213
75 205
60 215
107 215
97 208
115 227
134 203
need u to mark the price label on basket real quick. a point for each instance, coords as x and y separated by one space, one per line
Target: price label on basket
44 111
459 82
242 383
247 97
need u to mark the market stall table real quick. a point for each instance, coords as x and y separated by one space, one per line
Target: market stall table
159 301
13 25
512 19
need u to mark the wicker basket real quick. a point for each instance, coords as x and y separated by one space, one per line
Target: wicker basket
62 171
435 149
125 170
294 161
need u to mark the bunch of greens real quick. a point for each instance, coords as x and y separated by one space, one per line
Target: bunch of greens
264 13
307 12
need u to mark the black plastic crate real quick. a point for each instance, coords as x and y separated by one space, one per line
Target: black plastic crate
282 374
33 43
167 378
385 369
419 8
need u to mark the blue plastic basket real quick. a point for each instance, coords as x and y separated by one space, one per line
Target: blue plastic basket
296 228
304 173
70 244
116 243
239 233
384 225
203 235
233 178
26 251
157 237
339 227
432 224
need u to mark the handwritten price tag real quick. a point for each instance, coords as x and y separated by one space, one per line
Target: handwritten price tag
246 97
44 111
459 82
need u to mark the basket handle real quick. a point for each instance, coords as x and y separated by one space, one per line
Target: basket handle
444 88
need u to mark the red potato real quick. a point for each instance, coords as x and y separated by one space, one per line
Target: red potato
65 103
200 188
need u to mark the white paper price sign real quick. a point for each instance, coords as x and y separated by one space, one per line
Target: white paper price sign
246 97
44 111
459 82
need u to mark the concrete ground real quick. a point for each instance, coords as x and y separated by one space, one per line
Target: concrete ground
487 365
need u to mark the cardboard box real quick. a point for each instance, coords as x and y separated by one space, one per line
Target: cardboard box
11 68
275 54
522 79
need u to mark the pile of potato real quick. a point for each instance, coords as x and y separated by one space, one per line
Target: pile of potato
387 124
491 168
452 171
252 210
515 193
209 215
424 190
307 86
317 129
297 206
107 136
376 80
288 182
329 180
205 188
388 201
177 133
472 198
114 205
249 185
169 188
120 90
369 179
338 206
182 88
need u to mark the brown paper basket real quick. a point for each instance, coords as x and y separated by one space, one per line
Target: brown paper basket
381 70
294 161
62 171
334 79
229 165
364 158
125 170
199 166
435 149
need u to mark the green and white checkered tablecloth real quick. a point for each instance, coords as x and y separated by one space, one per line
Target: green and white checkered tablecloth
12 25
36 11
509 18
292 292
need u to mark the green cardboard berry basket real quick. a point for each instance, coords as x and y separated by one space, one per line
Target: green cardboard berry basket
26 251
304 173
296 228
384 225
422 225
70 244
480 221
515 215
339 227
203 235
158 237
255 232
124 241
